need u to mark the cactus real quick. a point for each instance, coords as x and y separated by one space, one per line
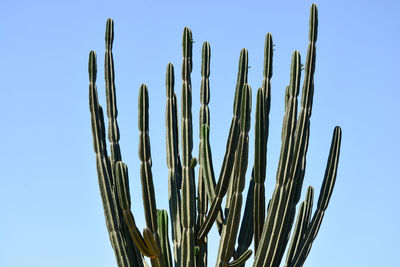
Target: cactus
270 226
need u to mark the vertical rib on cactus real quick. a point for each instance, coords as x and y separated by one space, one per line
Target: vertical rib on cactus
149 201
261 130
227 164
188 184
171 123
230 229
323 200
119 243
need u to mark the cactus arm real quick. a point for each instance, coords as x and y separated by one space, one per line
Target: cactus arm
171 124
112 112
118 240
113 131
188 183
162 218
227 164
230 229
301 134
271 231
323 200
208 179
261 131
149 201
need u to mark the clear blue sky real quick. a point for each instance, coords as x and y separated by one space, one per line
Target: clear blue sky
51 213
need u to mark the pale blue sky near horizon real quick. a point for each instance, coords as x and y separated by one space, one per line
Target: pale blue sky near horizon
51 208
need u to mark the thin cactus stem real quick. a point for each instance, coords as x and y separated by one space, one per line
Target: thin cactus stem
204 193
173 163
227 164
149 201
112 112
208 179
188 183
261 139
301 134
123 256
230 229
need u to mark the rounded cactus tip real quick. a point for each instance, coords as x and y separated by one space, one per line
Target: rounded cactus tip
92 66
170 80
337 130
313 23
109 33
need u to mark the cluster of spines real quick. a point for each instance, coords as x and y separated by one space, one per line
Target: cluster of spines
271 234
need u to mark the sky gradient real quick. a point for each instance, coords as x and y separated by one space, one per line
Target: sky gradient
51 208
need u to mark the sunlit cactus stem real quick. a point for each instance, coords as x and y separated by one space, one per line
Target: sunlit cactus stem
188 183
149 201
173 163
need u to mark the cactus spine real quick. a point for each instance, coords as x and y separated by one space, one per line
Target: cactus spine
270 226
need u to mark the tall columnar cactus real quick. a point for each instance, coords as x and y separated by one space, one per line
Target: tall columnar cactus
270 225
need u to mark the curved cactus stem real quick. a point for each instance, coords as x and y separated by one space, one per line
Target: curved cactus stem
227 164
323 200
173 163
188 182
149 200
230 229
242 259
